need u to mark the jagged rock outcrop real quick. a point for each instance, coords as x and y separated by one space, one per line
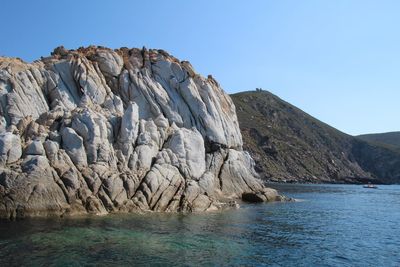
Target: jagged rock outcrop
96 130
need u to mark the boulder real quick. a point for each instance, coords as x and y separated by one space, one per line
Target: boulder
34 148
110 63
10 147
237 175
264 195
188 147
73 145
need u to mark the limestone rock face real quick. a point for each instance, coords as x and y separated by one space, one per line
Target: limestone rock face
96 130
73 145
10 147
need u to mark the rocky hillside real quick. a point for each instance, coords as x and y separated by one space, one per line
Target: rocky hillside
96 130
390 140
289 145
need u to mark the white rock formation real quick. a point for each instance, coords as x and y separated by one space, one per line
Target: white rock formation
96 130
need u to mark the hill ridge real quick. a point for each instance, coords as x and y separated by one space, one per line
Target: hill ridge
289 144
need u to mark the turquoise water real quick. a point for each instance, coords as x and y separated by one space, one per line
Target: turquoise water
333 225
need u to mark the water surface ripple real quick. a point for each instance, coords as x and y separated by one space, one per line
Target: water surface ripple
334 225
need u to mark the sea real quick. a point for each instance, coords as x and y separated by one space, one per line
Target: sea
328 225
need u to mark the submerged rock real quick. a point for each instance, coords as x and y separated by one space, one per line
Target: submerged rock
96 130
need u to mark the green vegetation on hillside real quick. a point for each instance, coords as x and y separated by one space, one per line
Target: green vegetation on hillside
389 140
288 144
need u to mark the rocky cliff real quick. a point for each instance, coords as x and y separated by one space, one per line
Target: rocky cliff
96 130
289 145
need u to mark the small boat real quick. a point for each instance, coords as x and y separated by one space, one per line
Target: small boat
370 186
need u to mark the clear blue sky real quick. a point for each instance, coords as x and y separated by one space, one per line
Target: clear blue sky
338 60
